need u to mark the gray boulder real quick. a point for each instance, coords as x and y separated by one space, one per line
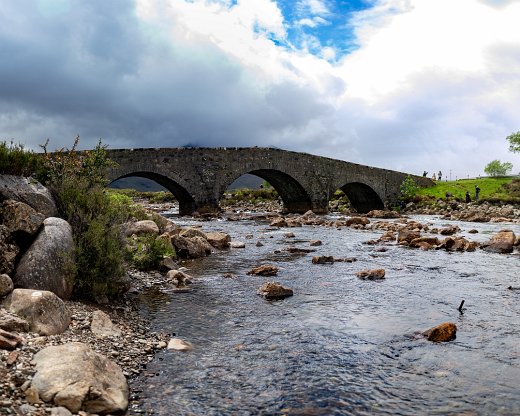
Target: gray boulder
29 191
48 264
76 377
191 247
140 228
45 312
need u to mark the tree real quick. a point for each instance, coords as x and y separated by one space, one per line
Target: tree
514 142
496 168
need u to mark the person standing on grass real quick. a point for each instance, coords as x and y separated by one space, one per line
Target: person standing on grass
468 198
477 191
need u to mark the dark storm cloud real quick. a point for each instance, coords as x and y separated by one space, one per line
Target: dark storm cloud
93 70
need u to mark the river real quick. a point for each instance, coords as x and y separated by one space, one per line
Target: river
340 345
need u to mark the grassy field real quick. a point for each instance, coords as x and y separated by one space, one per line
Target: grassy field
491 189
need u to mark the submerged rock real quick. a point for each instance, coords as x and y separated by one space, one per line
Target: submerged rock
322 259
178 344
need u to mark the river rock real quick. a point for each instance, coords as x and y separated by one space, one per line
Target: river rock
378 213
274 290
140 228
178 278
424 242
373 274
444 332
29 191
6 285
322 259
502 242
357 221
457 244
406 236
315 243
278 222
194 247
9 340
12 323
48 263
178 344
450 230
8 251
193 232
76 377
218 239
264 270
103 326
45 312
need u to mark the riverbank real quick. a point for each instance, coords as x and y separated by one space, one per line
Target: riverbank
132 349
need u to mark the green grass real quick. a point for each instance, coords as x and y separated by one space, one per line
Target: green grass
491 189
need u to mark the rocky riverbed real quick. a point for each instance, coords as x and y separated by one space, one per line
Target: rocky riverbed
118 332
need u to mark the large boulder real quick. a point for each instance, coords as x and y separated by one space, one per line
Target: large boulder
218 239
457 244
193 247
45 312
48 264
76 377
501 242
29 191
8 251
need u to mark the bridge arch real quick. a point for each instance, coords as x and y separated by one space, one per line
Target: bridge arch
186 202
362 197
294 196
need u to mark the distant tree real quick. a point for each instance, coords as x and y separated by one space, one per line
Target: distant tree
496 168
514 142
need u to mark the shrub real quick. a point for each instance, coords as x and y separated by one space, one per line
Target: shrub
15 160
146 252
77 180
408 189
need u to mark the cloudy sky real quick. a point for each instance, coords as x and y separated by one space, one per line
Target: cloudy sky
409 85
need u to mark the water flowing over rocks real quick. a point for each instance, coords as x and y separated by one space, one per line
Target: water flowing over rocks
274 290
76 377
48 263
45 312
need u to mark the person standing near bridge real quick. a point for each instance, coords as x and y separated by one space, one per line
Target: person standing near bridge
477 191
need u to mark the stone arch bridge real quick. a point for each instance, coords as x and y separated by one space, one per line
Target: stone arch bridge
198 177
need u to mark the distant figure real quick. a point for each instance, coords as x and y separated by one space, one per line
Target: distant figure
402 206
477 191
434 177
468 198
424 174
439 176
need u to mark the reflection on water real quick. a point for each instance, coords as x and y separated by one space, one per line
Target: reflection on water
340 345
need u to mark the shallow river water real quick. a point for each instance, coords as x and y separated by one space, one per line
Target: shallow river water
340 345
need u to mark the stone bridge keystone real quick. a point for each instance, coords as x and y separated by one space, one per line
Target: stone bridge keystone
198 177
